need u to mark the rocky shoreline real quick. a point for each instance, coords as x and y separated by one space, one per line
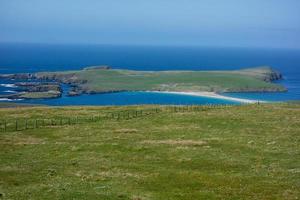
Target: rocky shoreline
45 85
48 85
35 90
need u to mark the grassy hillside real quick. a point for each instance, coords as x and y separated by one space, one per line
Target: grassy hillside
105 80
238 152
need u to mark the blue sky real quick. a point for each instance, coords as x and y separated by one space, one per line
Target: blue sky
247 23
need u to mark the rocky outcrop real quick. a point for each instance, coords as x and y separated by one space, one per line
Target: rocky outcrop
36 90
39 86
75 91
21 76
272 75
264 73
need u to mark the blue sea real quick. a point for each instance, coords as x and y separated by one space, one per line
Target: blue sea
16 58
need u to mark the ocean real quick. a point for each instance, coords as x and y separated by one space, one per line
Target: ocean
16 58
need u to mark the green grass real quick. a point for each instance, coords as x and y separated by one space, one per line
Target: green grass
128 80
39 95
13 105
238 152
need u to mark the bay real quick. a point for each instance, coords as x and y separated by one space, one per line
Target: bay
19 58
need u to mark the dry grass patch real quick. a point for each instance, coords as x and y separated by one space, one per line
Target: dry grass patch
172 127
124 130
105 175
176 142
28 140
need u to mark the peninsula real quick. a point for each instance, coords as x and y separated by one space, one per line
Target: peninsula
103 79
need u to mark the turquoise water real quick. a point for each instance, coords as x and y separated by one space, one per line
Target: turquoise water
130 98
32 58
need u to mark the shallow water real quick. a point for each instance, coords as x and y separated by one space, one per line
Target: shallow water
130 98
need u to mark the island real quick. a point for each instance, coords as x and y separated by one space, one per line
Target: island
35 90
104 79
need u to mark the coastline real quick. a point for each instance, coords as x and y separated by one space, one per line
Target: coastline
211 95
104 79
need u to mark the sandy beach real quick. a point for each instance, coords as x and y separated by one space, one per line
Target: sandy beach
211 95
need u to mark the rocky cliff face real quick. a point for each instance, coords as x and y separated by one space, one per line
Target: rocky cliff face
273 75
264 73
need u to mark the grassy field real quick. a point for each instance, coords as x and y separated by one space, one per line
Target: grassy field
95 80
238 152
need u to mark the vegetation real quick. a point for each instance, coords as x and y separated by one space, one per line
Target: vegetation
14 105
40 95
95 80
237 152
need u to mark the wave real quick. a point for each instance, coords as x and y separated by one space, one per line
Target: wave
10 91
9 85
6 99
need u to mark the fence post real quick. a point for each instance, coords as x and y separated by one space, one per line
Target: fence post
5 125
26 122
132 114
36 125
16 124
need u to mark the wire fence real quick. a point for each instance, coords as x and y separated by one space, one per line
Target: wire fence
20 124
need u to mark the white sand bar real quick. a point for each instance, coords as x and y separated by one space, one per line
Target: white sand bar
211 95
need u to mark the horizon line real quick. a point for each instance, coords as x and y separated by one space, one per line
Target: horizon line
150 45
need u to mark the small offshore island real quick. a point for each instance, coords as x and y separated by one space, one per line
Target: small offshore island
103 79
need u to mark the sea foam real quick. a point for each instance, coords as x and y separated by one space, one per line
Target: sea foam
6 99
10 91
8 85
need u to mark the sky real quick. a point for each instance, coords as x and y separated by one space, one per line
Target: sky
242 23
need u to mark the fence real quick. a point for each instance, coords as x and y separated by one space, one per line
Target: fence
24 124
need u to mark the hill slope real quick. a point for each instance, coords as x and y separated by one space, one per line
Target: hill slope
238 152
95 80
103 79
